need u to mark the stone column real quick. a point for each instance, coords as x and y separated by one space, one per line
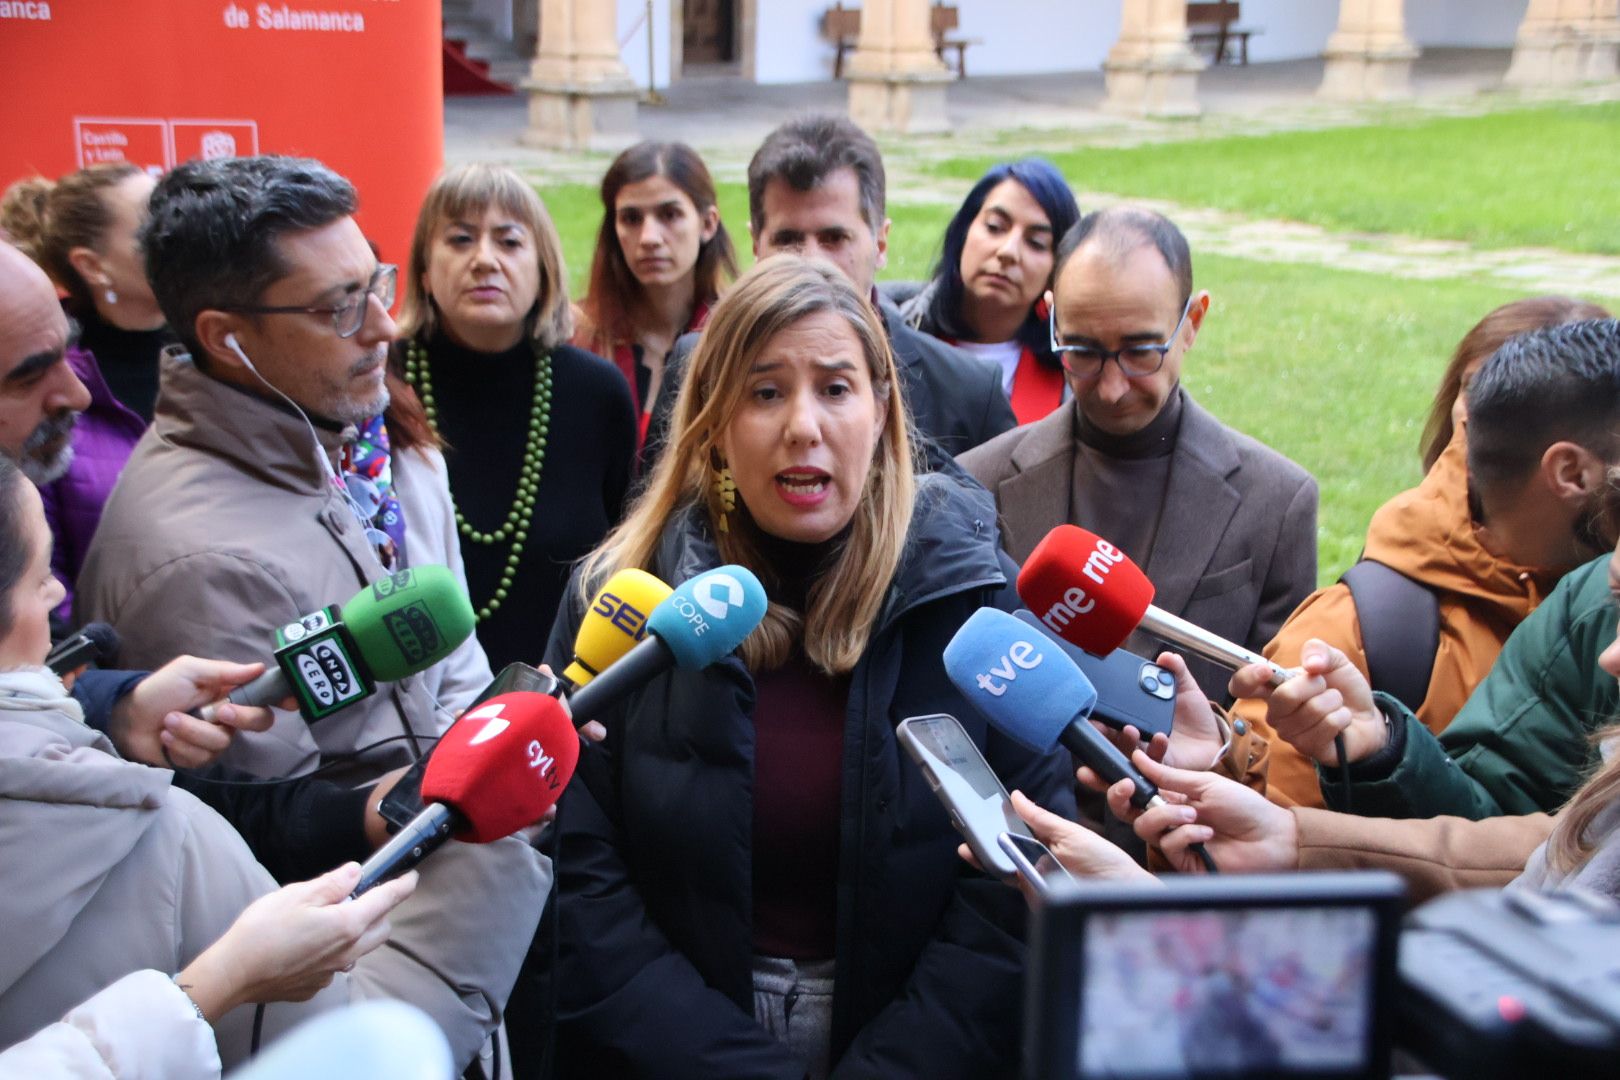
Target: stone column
1603 41
896 82
581 96
1549 49
1369 57
1151 70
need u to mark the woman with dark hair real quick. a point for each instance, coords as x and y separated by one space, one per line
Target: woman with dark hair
540 436
755 882
83 231
662 257
987 295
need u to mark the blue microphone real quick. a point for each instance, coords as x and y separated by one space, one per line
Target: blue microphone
703 620
1024 685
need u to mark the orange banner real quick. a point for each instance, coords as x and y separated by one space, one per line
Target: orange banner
356 83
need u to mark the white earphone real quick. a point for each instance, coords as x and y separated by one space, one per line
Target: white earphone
231 344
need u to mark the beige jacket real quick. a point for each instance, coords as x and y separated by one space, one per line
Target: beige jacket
224 527
112 871
1434 855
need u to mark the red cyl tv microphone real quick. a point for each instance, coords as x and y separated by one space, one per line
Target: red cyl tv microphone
1091 595
498 769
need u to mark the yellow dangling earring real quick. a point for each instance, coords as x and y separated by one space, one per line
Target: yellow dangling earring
725 493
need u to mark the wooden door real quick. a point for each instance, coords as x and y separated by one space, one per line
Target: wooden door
708 31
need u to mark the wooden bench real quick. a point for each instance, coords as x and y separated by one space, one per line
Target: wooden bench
1217 24
942 20
842 27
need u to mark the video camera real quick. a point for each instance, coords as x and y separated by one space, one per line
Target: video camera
1300 976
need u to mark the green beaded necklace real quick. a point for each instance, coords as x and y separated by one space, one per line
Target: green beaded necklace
515 529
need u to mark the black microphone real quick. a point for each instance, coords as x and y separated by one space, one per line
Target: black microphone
97 641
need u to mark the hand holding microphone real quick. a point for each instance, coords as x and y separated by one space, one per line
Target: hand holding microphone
392 628
1032 693
1090 594
498 769
1246 831
1325 708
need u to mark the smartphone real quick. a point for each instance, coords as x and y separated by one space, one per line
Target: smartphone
1035 862
404 800
1130 689
959 775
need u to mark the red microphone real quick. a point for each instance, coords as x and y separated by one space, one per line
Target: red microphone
498 769
1091 595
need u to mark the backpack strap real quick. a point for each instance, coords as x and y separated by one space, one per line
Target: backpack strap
1400 629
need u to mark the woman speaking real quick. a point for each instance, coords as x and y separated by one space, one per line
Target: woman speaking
754 882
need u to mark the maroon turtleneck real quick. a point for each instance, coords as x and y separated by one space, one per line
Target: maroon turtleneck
798 767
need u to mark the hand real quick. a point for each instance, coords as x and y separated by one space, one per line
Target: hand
287 945
590 731
153 717
1328 697
1243 830
1195 739
1083 853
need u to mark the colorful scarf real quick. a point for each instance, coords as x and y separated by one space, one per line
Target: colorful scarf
368 477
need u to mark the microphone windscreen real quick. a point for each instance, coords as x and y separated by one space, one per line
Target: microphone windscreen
1084 589
409 622
104 638
709 615
1018 680
503 764
615 621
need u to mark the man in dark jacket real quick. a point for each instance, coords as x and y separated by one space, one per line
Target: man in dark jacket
816 188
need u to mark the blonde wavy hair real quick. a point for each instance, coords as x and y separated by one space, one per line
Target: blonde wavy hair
844 602
465 193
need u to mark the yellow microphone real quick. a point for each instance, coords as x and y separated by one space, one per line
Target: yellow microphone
615 621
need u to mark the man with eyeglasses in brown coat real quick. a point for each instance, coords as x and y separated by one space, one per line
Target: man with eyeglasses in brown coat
1224 527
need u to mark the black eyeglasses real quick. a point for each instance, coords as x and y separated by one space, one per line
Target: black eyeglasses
349 316
1135 361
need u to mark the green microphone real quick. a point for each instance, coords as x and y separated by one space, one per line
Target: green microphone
333 658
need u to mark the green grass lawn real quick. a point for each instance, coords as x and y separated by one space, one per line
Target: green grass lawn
1336 369
1541 177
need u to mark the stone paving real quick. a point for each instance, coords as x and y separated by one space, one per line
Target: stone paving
725 119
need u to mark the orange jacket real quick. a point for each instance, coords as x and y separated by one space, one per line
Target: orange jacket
1427 534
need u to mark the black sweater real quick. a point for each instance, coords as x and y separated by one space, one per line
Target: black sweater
482 402
128 360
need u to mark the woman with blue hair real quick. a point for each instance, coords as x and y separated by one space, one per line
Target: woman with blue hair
987 294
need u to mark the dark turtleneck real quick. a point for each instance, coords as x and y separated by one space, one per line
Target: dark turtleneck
798 776
128 360
1120 480
482 401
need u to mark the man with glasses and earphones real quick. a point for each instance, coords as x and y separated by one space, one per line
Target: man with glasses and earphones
265 489
1224 527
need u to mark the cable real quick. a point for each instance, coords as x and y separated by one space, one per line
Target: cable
1344 772
334 763
1204 857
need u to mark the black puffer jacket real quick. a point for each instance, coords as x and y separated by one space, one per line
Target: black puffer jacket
654 856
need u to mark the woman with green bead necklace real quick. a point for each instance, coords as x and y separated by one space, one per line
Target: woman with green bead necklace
539 436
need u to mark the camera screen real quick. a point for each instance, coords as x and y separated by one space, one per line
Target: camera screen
1227 992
